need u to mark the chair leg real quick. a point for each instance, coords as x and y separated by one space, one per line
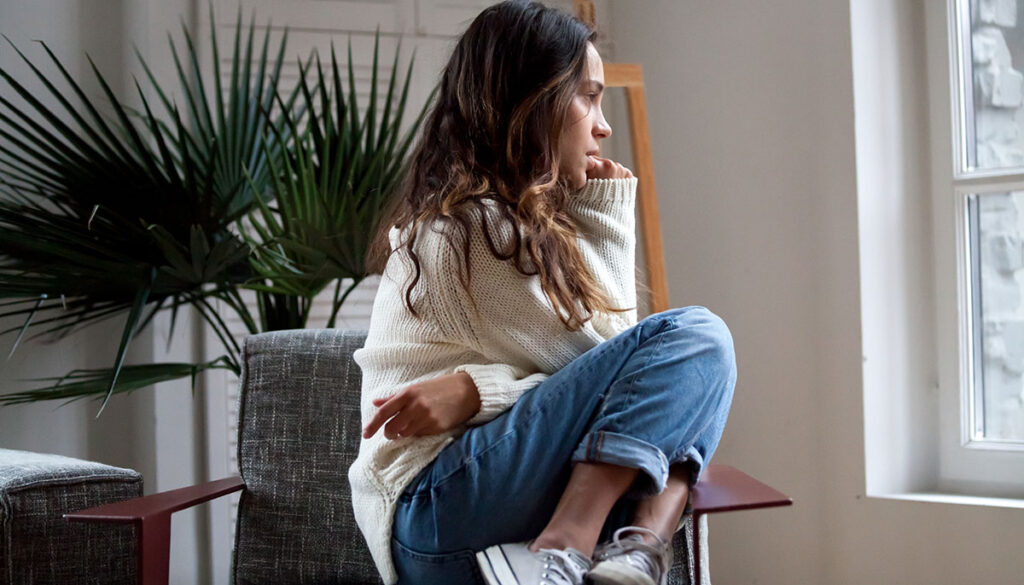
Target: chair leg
697 566
154 549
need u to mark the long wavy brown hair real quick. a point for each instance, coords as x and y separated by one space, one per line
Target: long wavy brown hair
492 138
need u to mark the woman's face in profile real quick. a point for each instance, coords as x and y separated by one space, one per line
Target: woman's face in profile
585 125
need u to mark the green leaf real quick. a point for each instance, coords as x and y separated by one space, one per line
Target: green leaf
24 328
126 336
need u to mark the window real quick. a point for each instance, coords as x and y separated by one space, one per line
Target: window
940 287
978 186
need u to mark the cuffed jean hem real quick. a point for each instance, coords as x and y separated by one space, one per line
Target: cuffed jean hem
617 449
694 462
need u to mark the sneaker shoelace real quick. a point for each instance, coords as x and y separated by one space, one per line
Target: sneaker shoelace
634 550
563 567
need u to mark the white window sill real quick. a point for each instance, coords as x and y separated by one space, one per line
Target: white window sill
948 498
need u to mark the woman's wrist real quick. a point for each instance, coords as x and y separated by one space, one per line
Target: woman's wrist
471 395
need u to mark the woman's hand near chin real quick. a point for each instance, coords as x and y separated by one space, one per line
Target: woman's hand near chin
605 168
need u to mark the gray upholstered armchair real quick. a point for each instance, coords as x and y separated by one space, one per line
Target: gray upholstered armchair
299 432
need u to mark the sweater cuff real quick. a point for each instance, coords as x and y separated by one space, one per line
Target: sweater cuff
499 388
605 194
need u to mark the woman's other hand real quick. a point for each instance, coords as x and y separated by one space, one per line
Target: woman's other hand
604 168
427 408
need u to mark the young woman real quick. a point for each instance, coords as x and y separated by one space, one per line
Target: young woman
520 425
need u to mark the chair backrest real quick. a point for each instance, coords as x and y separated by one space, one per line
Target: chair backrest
299 429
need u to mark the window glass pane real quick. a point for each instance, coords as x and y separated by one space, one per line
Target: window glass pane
993 111
997 223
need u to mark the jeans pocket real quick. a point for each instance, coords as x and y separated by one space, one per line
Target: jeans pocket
419 568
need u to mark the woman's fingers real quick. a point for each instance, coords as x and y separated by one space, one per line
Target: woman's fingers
426 408
604 168
399 426
405 412
389 409
413 420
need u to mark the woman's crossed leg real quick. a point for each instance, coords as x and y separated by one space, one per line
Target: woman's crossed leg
634 421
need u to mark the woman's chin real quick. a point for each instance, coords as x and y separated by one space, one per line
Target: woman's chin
573 181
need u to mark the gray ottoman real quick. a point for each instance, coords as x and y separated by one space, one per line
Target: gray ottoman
38 546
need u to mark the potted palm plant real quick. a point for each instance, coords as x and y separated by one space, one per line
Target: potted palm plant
244 185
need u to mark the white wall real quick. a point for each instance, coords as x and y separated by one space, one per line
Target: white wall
752 117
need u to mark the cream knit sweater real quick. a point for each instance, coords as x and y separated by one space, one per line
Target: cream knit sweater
510 345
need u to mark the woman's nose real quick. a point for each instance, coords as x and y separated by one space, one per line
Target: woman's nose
601 128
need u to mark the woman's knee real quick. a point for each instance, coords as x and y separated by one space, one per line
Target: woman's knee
708 334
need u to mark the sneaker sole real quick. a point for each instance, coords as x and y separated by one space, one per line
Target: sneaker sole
495 567
618 574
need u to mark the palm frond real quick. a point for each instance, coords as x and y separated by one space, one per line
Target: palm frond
106 210
341 167
113 211
93 383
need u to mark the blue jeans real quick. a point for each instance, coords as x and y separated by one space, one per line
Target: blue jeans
656 395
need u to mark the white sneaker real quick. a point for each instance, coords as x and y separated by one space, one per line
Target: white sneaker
630 560
515 564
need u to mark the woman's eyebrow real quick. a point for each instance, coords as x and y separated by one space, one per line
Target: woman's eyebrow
595 84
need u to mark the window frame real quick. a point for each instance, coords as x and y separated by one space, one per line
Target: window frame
966 465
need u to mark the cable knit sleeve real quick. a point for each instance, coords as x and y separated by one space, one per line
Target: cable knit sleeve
605 216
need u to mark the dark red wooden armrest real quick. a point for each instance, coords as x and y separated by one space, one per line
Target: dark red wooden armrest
726 489
151 516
